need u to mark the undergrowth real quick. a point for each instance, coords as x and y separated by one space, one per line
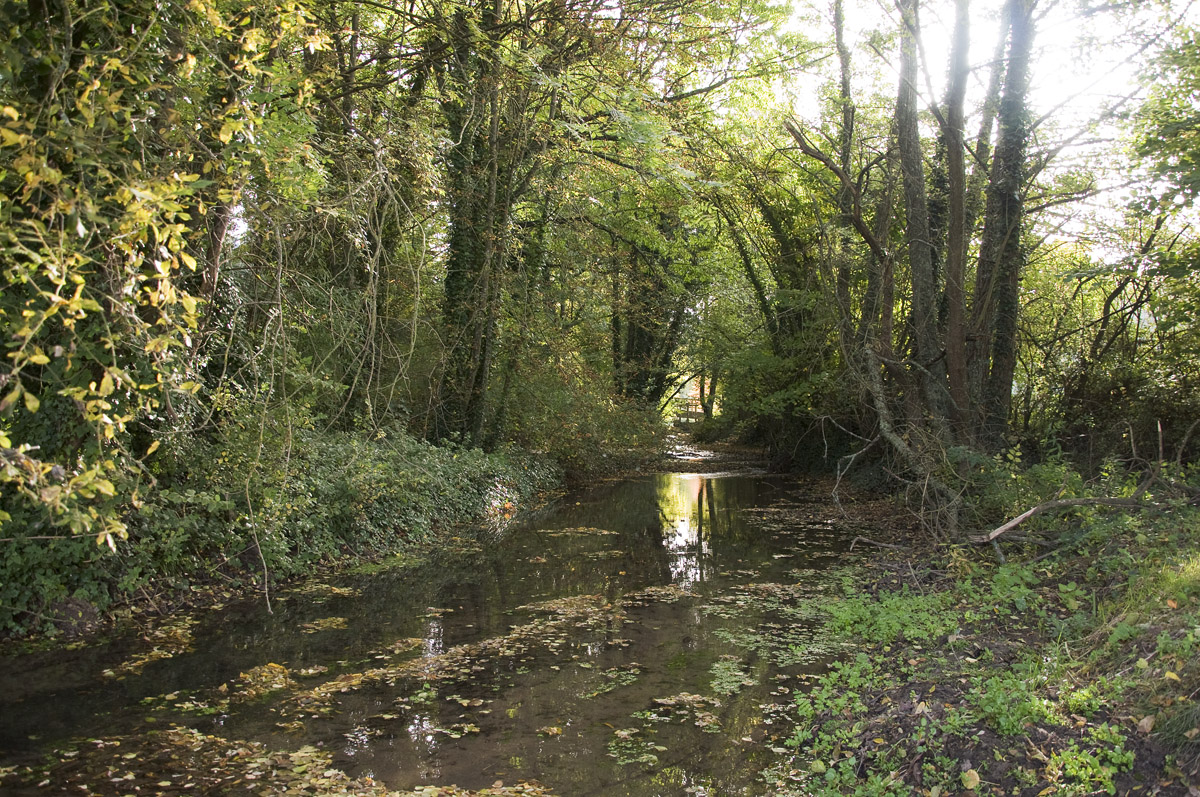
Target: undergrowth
1068 671
264 501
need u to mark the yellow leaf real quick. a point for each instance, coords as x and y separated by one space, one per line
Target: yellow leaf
106 385
1170 676
188 261
879 740
970 779
32 404
39 359
153 447
10 399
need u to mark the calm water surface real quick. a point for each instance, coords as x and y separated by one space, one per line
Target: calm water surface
641 638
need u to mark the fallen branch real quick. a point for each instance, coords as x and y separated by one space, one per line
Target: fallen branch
1059 503
877 544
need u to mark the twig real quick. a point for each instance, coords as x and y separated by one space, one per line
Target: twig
916 581
41 537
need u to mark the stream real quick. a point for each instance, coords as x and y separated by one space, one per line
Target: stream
643 637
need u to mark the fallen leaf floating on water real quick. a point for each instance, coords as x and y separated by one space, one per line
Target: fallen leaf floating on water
324 624
168 640
261 680
189 761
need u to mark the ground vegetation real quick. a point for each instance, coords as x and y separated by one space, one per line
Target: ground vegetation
288 283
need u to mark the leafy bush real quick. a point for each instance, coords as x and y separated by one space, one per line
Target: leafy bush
267 497
1078 771
574 420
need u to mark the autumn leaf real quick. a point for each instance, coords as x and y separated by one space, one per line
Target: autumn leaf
970 779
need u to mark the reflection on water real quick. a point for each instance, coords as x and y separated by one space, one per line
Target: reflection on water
695 510
688 570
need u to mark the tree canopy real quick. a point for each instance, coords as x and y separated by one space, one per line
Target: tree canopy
232 234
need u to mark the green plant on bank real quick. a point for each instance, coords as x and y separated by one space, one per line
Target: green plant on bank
891 616
837 696
278 498
1085 770
1010 702
1057 651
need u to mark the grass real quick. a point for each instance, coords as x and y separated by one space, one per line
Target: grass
1068 674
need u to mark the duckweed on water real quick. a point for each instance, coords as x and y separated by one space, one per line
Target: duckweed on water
728 676
616 677
629 748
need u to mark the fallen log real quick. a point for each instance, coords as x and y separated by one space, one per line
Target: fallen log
1059 503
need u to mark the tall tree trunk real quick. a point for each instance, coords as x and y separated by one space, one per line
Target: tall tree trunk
956 249
845 145
927 351
765 305
1001 257
982 151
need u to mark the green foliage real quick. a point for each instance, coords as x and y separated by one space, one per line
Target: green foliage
1168 120
1108 343
1011 701
891 617
1079 771
838 695
108 166
571 418
272 498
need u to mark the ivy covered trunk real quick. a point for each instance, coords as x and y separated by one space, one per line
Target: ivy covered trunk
992 353
480 212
